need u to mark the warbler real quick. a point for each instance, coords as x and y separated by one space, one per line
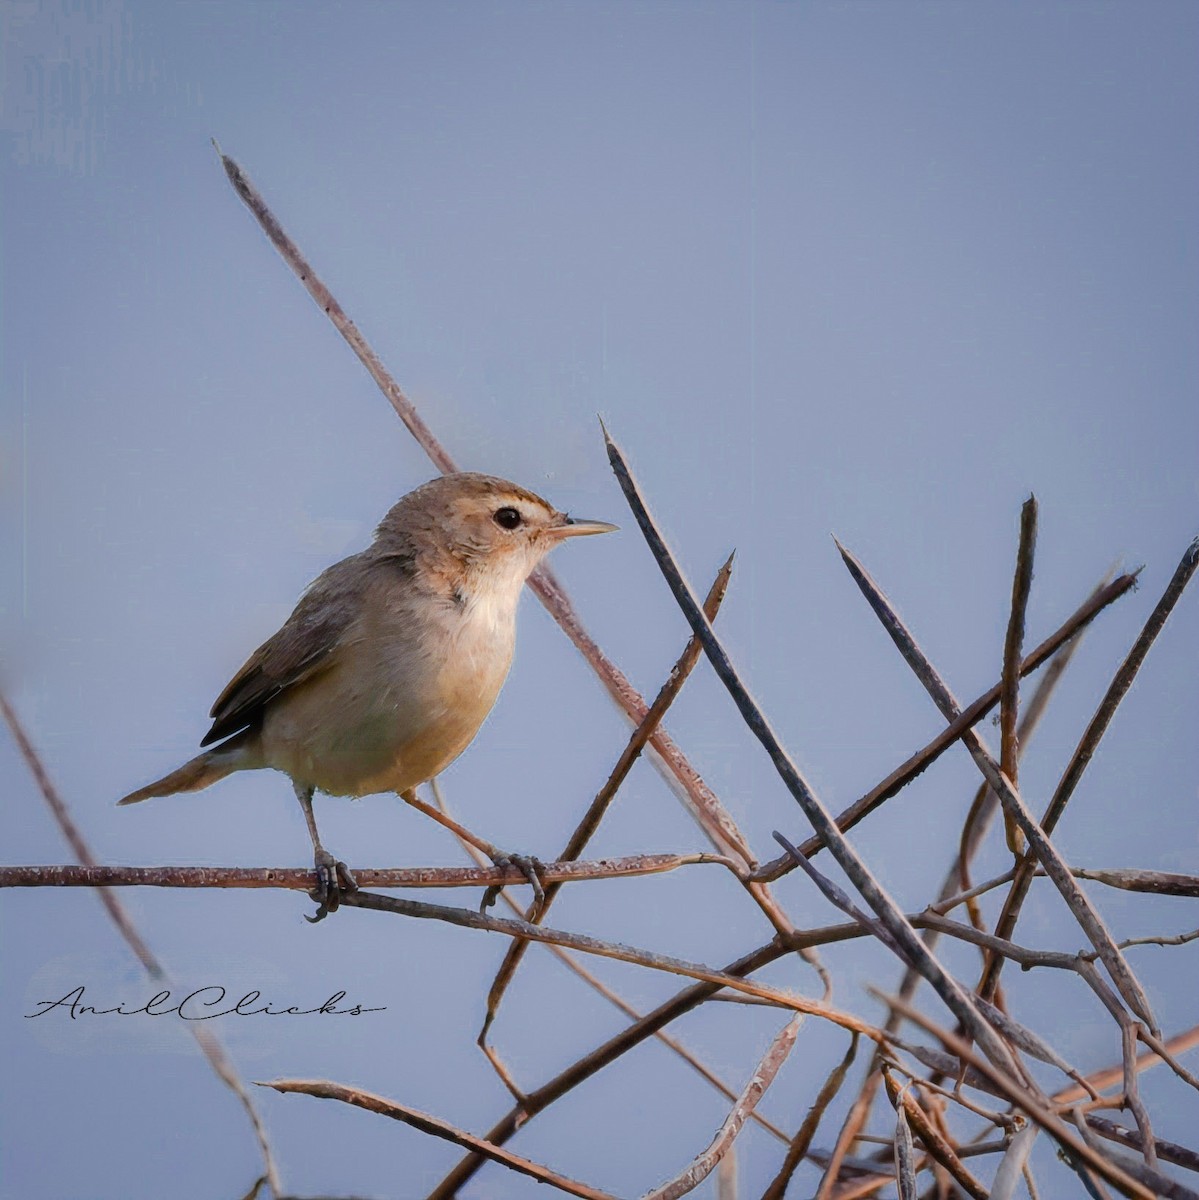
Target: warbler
392 659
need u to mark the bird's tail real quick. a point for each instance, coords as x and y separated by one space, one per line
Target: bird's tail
202 771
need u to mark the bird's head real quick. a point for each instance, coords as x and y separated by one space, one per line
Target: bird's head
492 531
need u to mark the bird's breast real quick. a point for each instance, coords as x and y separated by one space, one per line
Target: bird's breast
399 704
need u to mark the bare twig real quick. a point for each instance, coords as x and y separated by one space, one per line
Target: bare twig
599 806
593 981
937 1146
1168 1151
981 812
914 950
1012 1166
971 715
324 1090
210 1045
1036 1110
811 1122
1087 745
1110 1076
1130 879
302 879
1012 654
602 1056
1080 906
696 1172
512 927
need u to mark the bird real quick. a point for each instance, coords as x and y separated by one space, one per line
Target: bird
391 660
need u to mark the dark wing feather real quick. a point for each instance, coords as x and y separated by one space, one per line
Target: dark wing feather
298 651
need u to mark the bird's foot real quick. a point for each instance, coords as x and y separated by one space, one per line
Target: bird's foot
530 867
332 878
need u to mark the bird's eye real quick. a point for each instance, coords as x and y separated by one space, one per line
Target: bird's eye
507 518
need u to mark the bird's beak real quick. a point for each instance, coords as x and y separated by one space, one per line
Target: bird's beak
577 527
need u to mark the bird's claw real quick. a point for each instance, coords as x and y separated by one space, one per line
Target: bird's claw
332 878
529 866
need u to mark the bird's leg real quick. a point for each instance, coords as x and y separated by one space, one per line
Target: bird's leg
528 865
331 875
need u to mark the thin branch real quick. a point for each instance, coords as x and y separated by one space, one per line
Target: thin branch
1088 744
209 1043
511 927
602 1056
937 1146
1107 1077
1013 1164
981 813
571 963
1012 653
1131 879
604 797
1076 899
971 715
763 1076
1036 1109
1169 1152
324 1090
914 950
811 1122
302 879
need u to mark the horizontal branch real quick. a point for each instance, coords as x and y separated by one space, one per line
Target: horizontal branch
325 1090
303 879
512 927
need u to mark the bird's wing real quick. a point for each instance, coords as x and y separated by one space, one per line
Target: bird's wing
302 647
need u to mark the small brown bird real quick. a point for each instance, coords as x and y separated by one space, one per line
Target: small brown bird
392 659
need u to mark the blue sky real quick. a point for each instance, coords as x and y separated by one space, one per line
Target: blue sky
871 270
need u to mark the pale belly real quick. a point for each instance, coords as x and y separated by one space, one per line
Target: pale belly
361 727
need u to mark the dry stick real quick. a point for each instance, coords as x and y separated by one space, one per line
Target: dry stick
325 1090
690 998
1012 653
1128 879
897 925
604 1055
1132 1092
1013 1164
512 927
811 1122
934 1142
206 1039
1037 1111
1163 1186
1170 1152
1080 906
599 806
981 813
971 715
696 1172
569 960
302 879
1132 879
1089 742
700 800
1107 1077
1091 1185
905 1156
